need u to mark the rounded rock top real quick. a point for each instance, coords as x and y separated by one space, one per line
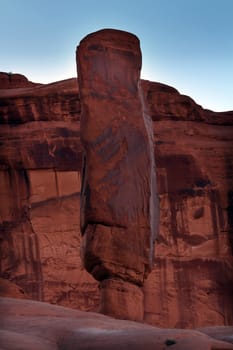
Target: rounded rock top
112 37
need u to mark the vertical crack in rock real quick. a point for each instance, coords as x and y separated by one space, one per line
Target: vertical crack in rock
119 206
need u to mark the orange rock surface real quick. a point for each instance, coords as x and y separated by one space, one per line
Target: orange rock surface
34 325
191 284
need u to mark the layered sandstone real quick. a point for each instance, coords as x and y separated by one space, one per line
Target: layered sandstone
191 284
193 270
40 184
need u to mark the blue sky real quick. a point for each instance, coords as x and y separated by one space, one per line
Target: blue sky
187 44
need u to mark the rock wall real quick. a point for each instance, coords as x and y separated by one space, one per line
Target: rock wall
40 183
191 284
192 279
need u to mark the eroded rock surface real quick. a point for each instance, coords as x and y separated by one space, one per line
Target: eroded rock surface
119 206
41 158
13 81
27 325
191 284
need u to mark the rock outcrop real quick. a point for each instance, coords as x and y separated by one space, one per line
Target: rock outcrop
119 204
27 325
194 253
191 284
14 81
41 159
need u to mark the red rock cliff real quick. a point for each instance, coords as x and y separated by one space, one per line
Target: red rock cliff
192 281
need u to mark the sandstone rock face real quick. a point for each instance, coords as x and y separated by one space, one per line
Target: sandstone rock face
193 257
34 325
40 184
191 284
119 206
12 81
12 290
42 103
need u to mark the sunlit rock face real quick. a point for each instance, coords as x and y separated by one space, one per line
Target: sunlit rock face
119 206
191 281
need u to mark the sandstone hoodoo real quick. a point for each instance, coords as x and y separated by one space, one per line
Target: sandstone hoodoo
119 206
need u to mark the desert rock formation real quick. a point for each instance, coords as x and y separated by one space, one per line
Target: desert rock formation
14 81
40 326
119 201
191 284
40 183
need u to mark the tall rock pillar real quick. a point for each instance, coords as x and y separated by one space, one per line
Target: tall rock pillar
119 209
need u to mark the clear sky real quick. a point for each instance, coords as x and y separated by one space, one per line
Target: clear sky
187 44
